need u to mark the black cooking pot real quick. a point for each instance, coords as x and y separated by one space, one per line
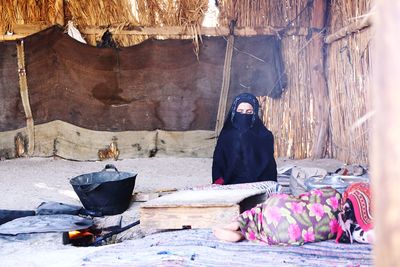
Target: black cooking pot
105 192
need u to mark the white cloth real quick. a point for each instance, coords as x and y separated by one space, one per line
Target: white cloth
74 32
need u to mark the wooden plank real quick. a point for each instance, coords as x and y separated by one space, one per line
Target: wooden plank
72 142
186 217
58 138
385 153
349 29
185 144
23 89
27 29
178 30
318 81
13 37
197 208
226 77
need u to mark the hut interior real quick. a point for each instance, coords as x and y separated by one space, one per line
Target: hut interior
129 79
312 77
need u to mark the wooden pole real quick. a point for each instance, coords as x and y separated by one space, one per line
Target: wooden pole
226 77
23 89
178 30
5 37
349 29
385 153
318 81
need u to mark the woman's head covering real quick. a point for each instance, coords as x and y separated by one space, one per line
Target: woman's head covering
245 98
245 147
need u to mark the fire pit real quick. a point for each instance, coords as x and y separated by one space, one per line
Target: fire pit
92 236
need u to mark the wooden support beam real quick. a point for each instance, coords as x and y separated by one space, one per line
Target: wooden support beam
226 77
27 29
23 89
318 81
385 153
349 29
23 30
177 30
6 37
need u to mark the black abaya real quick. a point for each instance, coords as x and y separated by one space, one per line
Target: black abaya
245 147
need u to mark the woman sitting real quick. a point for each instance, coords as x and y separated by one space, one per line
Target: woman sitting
245 148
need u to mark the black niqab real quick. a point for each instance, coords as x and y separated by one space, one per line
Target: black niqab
245 147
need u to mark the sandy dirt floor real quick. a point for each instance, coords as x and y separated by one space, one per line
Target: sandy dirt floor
27 182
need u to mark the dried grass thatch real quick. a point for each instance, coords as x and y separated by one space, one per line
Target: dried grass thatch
103 13
151 13
186 13
262 13
28 11
100 13
349 85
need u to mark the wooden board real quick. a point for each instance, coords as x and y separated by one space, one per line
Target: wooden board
197 209
185 144
72 142
58 138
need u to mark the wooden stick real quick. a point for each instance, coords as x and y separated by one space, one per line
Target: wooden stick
385 153
210 31
23 30
5 37
225 85
26 29
23 89
318 81
349 29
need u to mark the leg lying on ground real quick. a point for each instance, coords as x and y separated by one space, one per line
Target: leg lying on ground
230 232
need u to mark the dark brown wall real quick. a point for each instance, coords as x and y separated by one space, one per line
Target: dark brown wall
158 84
12 114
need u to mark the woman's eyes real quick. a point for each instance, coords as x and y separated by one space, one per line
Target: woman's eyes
247 111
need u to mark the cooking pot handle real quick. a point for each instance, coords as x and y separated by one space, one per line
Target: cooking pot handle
110 166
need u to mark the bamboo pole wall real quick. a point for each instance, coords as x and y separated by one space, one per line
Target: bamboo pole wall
349 84
292 117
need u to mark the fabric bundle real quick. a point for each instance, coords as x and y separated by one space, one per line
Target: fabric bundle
355 217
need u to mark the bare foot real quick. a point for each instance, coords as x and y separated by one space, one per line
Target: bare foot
234 226
227 235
